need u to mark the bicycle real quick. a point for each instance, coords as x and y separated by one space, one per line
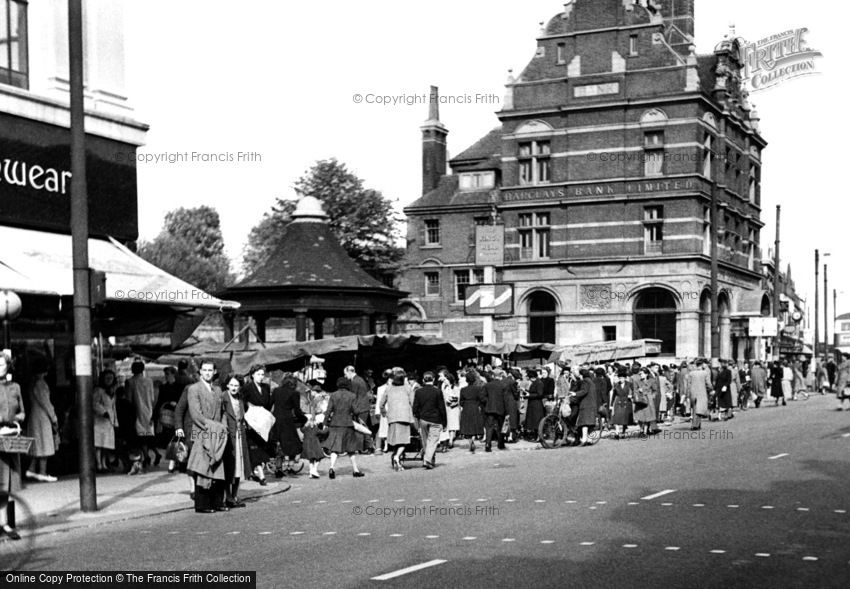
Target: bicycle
554 430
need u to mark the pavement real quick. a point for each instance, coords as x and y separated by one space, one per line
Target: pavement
120 497
758 501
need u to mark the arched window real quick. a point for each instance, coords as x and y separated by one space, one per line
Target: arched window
542 311
655 318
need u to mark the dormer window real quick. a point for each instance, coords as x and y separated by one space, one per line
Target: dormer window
13 43
477 180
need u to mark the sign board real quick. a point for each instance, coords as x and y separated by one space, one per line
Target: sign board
763 327
35 180
489 245
844 339
508 325
489 299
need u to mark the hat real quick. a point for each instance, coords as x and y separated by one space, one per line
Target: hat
343 383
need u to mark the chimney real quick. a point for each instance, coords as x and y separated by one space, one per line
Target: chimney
433 144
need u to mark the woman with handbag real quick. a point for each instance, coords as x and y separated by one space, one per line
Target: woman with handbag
105 420
451 396
397 407
11 415
42 424
288 418
644 407
622 402
312 447
257 393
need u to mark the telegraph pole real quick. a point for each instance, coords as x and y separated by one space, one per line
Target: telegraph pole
80 236
825 308
817 307
776 302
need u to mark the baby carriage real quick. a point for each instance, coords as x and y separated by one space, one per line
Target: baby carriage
414 450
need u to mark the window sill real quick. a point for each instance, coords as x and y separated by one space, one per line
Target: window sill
431 246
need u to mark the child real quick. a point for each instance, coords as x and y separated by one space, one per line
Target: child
312 448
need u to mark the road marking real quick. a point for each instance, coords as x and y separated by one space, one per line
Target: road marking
329 534
763 554
508 539
586 543
408 570
432 537
592 507
733 506
666 504
767 506
699 504
784 454
297 501
347 501
633 503
717 551
398 500
571 501
469 538
372 501
509 500
547 541
802 509
322 501
426 500
396 535
659 494
629 545
481 500
840 511
810 558
673 548
295 533
540 501
364 534
845 435
233 533
177 532
264 533
601 502
197 533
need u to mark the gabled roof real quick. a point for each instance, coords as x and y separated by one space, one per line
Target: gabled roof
486 148
447 193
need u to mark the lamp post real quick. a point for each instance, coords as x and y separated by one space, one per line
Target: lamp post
825 307
10 308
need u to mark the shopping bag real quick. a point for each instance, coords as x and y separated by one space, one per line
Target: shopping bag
260 420
177 450
359 427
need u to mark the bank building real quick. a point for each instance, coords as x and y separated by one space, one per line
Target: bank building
587 214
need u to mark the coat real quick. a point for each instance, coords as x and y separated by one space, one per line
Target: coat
535 411
209 432
141 392
588 403
237 440
105 420
41 421
699 385
512 402
429 405
724 388
496 391
758 379
645 413
776 374
11 410
182 417
259 449
622 404
842 380
472 400
397 404
288 417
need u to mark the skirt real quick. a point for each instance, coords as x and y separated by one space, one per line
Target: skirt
622 413
398 434
471 420
342 439
312 448
259 450
10 473
290 442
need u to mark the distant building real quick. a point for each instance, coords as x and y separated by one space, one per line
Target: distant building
842 333
589 206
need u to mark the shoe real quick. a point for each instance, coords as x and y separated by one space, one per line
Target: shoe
48 478
488 449
357 474
235 503
11 532
428 465
158 459
313 476
331 474
262 482
31 475
278 473
222 508
205 510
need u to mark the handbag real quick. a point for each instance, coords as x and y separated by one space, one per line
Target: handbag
260 420
361 428
177 450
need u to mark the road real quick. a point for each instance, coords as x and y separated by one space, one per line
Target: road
759 501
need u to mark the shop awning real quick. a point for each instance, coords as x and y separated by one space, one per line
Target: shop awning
36 262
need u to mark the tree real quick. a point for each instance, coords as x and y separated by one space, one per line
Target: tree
361 218
191 247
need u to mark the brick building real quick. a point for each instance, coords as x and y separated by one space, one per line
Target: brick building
595 193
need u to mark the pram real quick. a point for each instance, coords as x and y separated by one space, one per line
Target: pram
413 450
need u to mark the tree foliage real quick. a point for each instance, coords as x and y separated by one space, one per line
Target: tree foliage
191 247
362 219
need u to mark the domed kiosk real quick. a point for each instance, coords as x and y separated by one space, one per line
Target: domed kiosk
310 275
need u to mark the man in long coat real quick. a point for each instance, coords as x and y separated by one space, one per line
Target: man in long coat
209 433
758 381
699 386
495 409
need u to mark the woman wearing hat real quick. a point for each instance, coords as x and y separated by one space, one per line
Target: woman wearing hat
622 402
340 416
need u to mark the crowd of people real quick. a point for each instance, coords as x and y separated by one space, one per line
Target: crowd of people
223 429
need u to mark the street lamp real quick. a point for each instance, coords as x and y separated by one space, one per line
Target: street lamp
825 306
10 308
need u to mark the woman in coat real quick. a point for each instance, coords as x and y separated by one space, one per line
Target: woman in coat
842 381
237 462
622 401
644 402
288 418
397 407
535 411
585 400
11 415
472 400
451 396
105 420
256 392
776 390
42 424
340 416
312 448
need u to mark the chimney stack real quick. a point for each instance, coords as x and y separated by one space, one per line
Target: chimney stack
433 144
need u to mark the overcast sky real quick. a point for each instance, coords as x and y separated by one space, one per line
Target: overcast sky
277 78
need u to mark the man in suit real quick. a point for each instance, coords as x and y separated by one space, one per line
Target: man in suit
205 402
494 410
429 407
724 389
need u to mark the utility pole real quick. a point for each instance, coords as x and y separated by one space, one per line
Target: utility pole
825 307
715 227
776 302
80 245
834 316
817 307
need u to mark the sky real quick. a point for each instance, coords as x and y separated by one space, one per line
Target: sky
277 80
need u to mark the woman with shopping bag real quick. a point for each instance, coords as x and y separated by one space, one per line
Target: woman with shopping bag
257 394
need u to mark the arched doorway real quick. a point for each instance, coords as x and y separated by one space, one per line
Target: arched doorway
542 311
705 323
655 318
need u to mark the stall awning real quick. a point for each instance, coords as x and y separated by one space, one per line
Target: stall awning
36 262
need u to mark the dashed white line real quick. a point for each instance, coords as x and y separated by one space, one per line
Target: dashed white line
329 534
840 511
802 509
264 533
699 504
601 502
427 500
666 504
717 551
453 500
198 533
633 503
235 532
763 554
508 539
431 536
672 548
510 500
396 535
592 507
733 506
481 500
659 494
299 533
407 570
346 501
547 541
810 558
845 435
783 455
364 534
571 501
540 501
372 501
297 501
586 543
398 500
629 545
767 506
468 538
322 501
